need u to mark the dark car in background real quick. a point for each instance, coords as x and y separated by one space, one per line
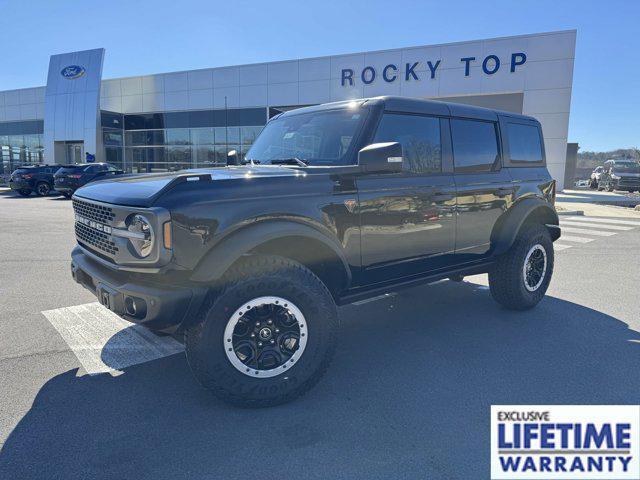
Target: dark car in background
33 178
71 177
620 175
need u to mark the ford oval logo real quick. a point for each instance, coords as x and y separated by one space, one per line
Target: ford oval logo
72 72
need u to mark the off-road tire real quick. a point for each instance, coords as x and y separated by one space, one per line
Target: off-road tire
253 277
506 278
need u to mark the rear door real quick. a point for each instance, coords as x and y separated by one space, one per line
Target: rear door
484 189
407 218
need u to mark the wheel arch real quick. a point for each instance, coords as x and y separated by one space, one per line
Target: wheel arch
287 238
524 212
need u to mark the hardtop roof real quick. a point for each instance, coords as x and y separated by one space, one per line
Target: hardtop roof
417 105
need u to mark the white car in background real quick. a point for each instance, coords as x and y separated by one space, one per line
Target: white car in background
595 177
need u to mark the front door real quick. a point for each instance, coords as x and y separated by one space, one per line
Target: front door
407 219
74 153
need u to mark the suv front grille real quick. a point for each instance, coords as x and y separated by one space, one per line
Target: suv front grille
95 239
98 213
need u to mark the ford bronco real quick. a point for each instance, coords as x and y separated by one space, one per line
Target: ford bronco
332 204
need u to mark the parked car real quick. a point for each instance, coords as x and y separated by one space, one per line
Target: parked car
71 177
595 177
334 204
620 175
33 178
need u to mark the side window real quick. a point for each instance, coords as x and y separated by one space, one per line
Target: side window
475 145
524 143
419 137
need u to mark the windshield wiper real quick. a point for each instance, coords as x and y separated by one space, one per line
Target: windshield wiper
289 161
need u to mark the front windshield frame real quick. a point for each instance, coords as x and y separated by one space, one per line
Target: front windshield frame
348 159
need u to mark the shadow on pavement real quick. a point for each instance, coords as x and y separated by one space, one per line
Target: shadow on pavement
408 394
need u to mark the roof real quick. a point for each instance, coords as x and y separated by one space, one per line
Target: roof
417 105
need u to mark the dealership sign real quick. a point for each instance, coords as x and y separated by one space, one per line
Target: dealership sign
410 70
72 72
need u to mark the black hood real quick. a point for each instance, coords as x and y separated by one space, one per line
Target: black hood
144 189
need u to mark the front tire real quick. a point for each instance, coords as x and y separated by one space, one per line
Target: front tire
520 278
67 195
24 192
266 335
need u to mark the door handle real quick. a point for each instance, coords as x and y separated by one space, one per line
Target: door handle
441 197
503 192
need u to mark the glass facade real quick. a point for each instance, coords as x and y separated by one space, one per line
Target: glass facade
158 142
20 144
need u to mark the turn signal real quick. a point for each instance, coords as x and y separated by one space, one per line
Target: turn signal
166 229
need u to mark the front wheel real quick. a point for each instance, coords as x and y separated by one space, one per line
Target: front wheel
24 192
67 195
266 335
520 277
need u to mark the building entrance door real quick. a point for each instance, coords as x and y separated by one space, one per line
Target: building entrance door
74 152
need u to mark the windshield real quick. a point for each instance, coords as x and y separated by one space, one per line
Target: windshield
316 138
627 167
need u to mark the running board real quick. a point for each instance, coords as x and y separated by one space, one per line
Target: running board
363 293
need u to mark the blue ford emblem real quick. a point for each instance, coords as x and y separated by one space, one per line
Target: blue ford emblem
72 72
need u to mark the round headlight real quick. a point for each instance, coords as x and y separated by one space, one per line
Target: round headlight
143 238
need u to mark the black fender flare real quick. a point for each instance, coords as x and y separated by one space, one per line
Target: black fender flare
230 248
507 227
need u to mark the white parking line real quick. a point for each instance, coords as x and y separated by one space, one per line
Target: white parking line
614 221
571 238
584 231
560 246
590 225
104 342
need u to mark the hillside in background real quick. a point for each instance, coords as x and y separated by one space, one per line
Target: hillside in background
593 159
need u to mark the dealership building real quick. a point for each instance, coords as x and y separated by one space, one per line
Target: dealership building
193 118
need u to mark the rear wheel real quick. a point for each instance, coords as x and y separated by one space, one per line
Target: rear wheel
266 335
43 189
520 277
24 192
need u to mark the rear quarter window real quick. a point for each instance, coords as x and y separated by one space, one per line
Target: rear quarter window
525 143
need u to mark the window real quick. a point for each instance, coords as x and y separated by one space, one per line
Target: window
475 145
419 137
524 143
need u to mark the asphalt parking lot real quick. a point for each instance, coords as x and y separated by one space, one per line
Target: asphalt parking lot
409 390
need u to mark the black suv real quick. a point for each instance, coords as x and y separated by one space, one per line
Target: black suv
71 177
33 178
335 203
620 175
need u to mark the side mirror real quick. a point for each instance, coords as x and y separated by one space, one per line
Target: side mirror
381 157
233 158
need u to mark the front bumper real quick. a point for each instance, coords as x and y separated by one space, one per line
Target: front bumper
158 306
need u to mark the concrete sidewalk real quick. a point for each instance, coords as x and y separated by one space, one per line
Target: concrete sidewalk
599 204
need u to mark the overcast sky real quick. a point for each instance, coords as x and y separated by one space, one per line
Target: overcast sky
142 37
